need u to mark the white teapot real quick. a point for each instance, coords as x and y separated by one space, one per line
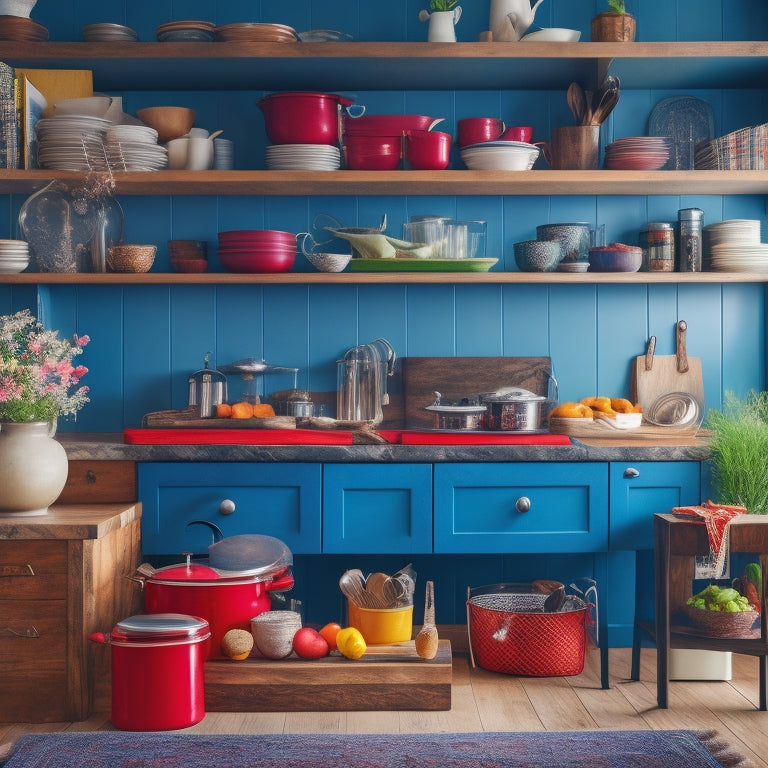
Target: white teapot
510 19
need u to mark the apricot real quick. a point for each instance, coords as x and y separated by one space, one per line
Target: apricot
242 410
224 410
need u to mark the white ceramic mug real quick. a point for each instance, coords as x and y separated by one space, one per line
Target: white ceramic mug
199 154
177 153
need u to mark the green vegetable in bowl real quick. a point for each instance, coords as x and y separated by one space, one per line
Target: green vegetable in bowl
715 598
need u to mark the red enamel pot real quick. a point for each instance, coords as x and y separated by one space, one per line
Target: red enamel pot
303 117
225 599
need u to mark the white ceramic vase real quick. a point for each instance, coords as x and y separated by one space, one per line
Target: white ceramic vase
33 468
441 25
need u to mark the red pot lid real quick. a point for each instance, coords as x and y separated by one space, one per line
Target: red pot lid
293 94
195 574
157 627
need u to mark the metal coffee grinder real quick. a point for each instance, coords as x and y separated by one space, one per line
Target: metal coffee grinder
207 389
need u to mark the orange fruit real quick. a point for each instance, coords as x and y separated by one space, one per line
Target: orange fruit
329 632
242 410
224 410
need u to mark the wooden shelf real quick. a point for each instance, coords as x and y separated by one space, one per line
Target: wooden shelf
398 65
380 278
457 182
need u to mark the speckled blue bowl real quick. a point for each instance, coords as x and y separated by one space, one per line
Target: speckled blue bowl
538 255
574 237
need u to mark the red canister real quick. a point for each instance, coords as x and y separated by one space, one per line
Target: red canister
158 670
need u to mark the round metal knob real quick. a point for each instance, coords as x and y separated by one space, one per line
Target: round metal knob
523 504
227 507
631 472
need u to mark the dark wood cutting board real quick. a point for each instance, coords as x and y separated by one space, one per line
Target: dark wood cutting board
458 377
190 418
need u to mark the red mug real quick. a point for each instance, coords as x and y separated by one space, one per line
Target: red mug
427 150
475 130
518 133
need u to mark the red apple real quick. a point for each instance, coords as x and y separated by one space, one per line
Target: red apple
310 644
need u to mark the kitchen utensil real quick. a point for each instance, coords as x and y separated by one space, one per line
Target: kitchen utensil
657 375
515 409
375 585
382 626
362 381
207 389
352 585
456 417
157 671
225 599
573 147
427 639
674 409
428 150
301 117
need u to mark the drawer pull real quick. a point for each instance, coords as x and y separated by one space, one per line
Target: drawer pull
523 504
227 507
16 570
29 632
631 472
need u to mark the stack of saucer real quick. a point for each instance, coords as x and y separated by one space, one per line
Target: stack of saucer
72 142
638 153
14 256
108 33
223 154
303 157
262 33
22 29
186 31
134 148
734 245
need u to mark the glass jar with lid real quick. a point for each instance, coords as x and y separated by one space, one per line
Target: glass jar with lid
657 239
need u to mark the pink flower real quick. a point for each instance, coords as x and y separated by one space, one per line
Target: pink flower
83 340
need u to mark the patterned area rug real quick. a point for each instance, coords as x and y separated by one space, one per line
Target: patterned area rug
567 749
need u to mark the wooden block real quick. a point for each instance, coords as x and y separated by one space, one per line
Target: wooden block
390 677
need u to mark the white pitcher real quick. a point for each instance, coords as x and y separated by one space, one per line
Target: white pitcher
510 19
441 25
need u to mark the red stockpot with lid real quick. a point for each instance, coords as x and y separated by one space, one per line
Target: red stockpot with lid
303 117
158 671
225 599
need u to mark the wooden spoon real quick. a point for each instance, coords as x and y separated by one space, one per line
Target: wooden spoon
576 102
427 639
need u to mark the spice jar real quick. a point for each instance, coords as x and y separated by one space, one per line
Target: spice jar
689 239
658 243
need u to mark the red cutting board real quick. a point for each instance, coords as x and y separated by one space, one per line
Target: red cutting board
206 436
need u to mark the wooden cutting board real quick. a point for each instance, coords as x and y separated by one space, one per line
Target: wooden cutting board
656 375
190 418
458 377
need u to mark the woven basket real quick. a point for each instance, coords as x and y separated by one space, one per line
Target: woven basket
721 623
509 633
273 633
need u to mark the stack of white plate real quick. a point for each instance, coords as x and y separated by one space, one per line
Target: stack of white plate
303 157
734 245
72 142
108 33
134 148
14 256
500 156
637 153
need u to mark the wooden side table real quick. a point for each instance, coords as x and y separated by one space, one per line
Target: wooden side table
676 544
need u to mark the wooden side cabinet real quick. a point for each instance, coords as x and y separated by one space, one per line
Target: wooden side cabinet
62 577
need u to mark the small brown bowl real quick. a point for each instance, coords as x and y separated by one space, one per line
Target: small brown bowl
169 122
131 258
189 265
188 249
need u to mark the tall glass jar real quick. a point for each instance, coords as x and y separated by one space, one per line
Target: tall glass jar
657 240
689 239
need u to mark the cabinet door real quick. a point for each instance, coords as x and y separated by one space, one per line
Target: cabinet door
536 507
377 508
281 500
638 489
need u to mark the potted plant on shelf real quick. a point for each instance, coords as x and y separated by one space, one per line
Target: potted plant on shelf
614 25
38 384
444 17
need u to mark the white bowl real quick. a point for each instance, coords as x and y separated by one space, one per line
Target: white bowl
93 106
494 158
20 8
329 262
554 34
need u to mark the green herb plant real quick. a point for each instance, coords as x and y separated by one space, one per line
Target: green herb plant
739 451
617 6
444 5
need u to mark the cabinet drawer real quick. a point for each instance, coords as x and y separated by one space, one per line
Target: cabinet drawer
377 508
639 489
33 569
281 500
481 507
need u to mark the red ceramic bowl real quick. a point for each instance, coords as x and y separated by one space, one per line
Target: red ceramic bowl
373 153
257 235
428 150
302 117
264 261
385 125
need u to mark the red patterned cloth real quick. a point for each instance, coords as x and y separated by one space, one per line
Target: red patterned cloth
717 518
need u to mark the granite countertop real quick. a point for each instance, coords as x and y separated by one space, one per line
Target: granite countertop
111 447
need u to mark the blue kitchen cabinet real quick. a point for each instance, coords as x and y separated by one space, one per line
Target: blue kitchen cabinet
546 507
637 491
377 508
280 500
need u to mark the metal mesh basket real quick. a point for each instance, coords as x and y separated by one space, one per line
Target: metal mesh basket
510 633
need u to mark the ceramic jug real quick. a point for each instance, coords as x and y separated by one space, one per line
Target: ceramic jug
441 25
510 19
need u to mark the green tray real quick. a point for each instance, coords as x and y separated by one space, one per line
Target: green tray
421 265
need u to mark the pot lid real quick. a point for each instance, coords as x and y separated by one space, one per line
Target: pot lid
510 394
160 626
201 572
456 408
206 373
252 366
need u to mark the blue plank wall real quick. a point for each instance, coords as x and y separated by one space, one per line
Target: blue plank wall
147 339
